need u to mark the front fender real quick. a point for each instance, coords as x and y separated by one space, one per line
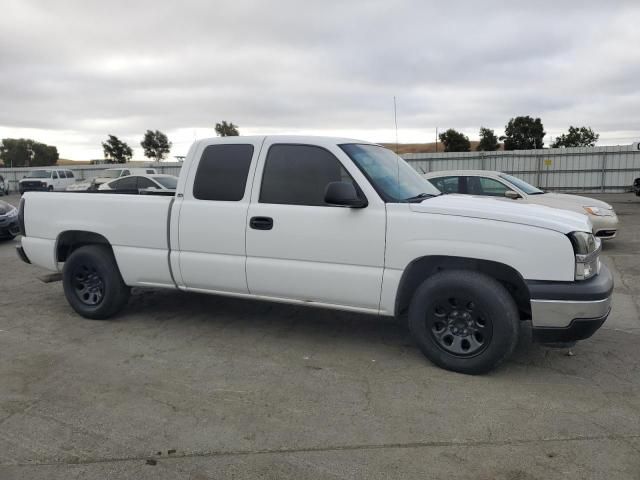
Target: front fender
535 253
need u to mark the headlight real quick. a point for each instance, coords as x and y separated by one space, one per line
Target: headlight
599 211
586 248
12 213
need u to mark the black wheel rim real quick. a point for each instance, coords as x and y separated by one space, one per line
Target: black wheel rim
459 327
88 285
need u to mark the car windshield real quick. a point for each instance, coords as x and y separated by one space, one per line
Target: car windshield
39 174
110 174
167 182
522 185
390 175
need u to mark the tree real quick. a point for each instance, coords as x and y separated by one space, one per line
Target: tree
225 129
455 141
155 144
523 133
116 151
576 137
24 152
488 141
44 155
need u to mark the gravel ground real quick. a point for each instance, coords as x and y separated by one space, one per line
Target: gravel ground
187 386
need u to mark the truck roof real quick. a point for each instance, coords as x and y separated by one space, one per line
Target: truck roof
312 139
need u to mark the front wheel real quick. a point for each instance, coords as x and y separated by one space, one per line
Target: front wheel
50 189
93 284
464 321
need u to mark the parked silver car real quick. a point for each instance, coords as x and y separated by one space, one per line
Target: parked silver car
498 184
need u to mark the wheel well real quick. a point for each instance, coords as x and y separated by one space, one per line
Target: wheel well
421 268
74 239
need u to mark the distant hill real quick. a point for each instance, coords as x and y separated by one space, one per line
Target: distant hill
424 147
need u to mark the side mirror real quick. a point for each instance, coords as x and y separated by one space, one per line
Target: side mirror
343 194
512 195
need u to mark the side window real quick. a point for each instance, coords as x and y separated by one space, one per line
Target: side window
144 182
299 174
447 184
222 172
54 175
69 174
125 173
150 172
486 186
127 183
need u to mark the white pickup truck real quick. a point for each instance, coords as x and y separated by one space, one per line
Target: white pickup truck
333 223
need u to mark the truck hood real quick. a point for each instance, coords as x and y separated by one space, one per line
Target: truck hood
562 221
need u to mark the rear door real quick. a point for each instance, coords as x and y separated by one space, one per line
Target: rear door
300 248
213 216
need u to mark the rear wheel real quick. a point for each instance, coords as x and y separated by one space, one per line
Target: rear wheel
92 283
464 321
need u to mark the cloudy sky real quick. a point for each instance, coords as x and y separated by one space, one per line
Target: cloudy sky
73 71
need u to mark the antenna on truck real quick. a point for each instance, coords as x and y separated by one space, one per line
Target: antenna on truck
395 119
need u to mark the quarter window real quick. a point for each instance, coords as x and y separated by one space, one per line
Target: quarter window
222 172
69 174
299 175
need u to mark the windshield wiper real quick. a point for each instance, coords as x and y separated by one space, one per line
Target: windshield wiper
421 196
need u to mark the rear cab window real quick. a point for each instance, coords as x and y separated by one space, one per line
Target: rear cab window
222 172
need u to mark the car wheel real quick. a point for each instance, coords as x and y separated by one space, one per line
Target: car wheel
93 284
464 321
50 188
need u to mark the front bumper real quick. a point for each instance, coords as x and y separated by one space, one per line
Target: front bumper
570 311
31 188
605 227
9 227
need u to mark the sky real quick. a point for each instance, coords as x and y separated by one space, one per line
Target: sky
72 72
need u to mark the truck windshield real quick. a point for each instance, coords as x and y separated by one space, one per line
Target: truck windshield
39 174
390 175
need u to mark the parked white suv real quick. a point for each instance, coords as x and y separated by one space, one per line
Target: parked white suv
333 223
46 179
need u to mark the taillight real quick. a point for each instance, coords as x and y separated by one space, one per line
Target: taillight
23 231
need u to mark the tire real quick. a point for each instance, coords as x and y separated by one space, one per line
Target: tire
92 283
50 189
464 321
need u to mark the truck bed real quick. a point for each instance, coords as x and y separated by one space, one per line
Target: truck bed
134 225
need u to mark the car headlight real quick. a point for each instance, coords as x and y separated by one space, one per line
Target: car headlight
13 213
599 211
586 248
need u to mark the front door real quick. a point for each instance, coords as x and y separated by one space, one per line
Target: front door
300 248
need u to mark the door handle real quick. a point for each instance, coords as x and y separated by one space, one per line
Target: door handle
261 223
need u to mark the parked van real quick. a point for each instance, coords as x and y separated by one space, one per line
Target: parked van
47 180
